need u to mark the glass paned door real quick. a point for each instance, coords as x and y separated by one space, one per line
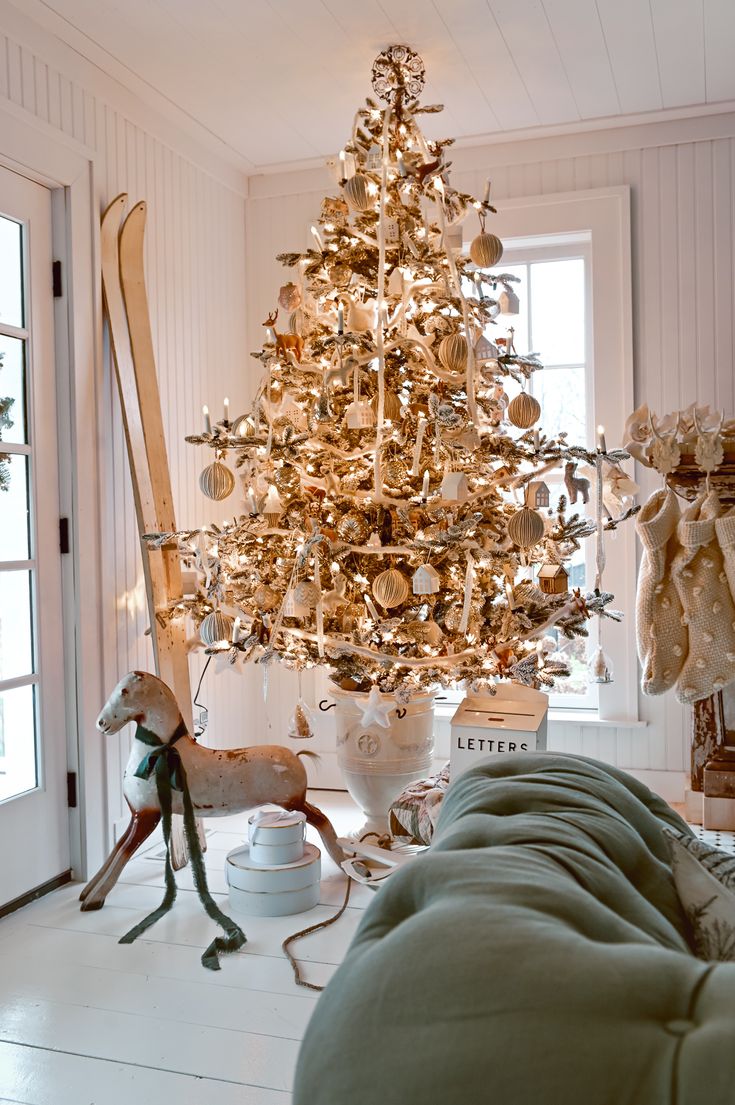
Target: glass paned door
33 752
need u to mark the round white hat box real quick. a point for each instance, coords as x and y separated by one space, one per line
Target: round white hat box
276 891
276 837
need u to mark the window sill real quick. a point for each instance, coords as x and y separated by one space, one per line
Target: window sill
588 718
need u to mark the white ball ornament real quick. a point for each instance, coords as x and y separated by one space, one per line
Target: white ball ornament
217 481
390 588
486 250
525 528
357 192
215 628
453 352
524 410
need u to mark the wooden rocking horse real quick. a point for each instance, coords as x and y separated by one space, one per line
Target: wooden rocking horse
220 781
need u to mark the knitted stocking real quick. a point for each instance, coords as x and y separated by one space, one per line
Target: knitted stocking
725 527
708 605
663 639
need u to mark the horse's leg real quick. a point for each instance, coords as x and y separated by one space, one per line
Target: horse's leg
321 822
93 882
142 824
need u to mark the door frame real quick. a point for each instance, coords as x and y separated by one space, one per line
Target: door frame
67 168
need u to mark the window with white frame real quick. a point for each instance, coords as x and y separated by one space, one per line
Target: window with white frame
553 274
571 255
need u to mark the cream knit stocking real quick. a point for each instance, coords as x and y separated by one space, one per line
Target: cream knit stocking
709 610
662 636
725 527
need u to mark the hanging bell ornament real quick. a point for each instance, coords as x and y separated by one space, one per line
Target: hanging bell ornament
453 352
216 628
486 250
525 528
299 727
357 192
601 668
524 410
217 481
390 588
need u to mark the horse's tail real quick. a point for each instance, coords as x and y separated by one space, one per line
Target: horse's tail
311 755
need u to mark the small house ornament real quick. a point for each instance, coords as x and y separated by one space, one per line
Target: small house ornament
455 488
553 579
426 580
359 416
392 232
508 302
374 160
292 608
485 350
537 494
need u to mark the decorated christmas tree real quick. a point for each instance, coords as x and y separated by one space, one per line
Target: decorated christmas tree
393 531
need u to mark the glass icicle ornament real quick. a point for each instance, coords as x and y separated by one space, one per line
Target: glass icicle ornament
299 726
601 669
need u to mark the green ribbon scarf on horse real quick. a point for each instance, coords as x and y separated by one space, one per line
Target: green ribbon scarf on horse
164 762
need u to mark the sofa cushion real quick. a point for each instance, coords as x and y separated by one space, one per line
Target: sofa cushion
536 953
705 882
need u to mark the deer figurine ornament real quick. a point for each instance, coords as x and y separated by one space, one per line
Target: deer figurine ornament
218 781
285 343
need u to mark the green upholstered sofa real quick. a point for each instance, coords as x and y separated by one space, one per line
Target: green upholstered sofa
537 954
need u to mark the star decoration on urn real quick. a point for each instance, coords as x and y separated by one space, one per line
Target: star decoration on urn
377 708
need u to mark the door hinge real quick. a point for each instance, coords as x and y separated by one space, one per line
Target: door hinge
64 546
71 789
56 279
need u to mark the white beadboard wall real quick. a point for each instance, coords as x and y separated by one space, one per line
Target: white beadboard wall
681 176
195 260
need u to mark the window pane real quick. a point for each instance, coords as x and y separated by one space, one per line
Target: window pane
11 273
562 395
18 768
12 388
16 637
557 311
14 508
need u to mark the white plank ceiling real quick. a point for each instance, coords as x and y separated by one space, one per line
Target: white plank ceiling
277 81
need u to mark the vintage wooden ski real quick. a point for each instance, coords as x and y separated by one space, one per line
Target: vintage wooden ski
126 307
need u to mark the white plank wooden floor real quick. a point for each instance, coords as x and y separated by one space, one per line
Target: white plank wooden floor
87 1021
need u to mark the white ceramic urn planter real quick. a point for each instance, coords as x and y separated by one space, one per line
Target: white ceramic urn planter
377 762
